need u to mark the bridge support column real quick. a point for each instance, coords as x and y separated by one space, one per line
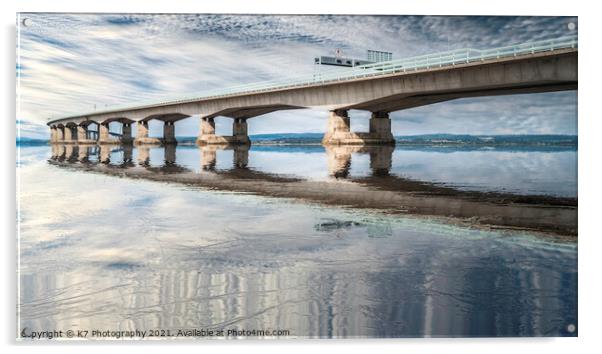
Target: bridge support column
207 135
53 135
339 132
82 133
169 133
68 135
380 129
338 129
142 137
103 133
239 132
126 137
141 132
60 134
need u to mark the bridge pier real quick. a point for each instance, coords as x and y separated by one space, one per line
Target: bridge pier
82 135
339 132
142 137
53 134
239 133
126 137
68 135
81 132
60 134
380 129
103 134
169 133
338 129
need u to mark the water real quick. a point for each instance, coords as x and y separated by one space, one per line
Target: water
100 251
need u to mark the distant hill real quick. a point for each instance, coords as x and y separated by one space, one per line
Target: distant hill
491 140
274 139
431 139
24 141
288 138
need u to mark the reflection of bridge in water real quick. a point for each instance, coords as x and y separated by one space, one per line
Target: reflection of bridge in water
379 190
339 157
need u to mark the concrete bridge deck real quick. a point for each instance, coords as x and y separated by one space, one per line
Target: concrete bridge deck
379 88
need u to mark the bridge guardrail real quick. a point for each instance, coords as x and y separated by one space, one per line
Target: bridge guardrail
442 59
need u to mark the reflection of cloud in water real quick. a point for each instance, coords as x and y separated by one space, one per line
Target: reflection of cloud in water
552 173
104 252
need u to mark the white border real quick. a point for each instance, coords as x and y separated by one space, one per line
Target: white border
589 170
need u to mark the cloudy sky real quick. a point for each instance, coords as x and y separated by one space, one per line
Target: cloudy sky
71 63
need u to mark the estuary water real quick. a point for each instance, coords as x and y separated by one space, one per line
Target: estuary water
112 252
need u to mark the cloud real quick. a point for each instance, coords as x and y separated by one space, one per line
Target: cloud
70 63
33 130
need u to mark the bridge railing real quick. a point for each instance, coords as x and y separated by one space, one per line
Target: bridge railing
448 58
428 61
442 59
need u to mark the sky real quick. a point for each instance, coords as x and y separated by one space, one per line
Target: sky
75 63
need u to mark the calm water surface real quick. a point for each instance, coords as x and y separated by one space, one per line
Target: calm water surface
103 252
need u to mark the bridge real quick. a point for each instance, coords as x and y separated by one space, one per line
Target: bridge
380 88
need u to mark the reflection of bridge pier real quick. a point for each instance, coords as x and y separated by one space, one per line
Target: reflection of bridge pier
380 159
57 151
143 155
240 156
169 154
84 154
128 151
104 156
71 153
339 159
